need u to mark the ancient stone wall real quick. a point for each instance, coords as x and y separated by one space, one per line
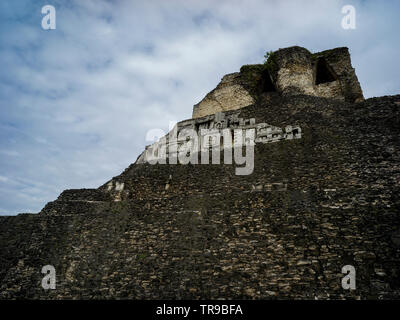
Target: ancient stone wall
214 131
228 95
340 62
311 206
295 72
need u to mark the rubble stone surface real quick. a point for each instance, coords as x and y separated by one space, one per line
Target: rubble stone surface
312 205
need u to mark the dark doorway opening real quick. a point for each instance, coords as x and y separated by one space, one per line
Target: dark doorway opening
324 72
266 82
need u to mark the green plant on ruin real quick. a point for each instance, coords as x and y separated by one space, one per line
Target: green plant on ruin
267 55
270 63
251 74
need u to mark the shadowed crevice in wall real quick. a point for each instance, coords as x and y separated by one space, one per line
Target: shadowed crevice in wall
324 72
266 83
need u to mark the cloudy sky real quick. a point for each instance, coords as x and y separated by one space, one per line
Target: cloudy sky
76 102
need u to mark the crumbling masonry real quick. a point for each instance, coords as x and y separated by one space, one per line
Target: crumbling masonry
289 71
325 193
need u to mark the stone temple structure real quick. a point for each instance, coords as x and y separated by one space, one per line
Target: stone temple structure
323 193
288 71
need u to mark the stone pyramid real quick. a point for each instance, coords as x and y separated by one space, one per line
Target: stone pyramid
322 193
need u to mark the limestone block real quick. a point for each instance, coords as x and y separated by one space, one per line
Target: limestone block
228 95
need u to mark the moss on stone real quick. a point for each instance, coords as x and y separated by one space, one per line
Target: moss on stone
251 75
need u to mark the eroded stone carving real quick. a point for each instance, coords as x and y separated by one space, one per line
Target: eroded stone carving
217 130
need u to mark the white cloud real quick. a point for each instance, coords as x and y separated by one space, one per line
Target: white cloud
10 153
